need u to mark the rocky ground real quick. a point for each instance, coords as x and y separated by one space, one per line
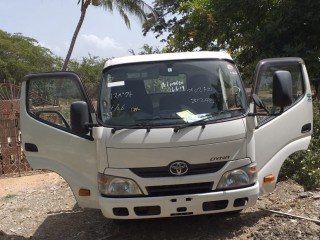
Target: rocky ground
41 206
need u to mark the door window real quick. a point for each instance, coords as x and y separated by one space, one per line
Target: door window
264 86
49 99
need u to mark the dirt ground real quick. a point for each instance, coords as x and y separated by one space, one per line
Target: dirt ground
41 206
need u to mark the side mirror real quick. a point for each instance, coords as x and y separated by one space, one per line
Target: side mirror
79 117
282 89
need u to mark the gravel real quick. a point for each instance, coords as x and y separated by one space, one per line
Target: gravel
42 206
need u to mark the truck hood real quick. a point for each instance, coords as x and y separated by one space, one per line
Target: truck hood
136 148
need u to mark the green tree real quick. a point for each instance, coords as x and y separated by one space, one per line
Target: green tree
146 49
90 70
249 30
137 8
168 16
20 55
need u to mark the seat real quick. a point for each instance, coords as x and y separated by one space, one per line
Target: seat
132 98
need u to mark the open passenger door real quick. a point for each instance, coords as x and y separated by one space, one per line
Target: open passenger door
280 131
49 139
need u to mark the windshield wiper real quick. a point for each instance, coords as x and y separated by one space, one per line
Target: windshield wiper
201 122
204 120
143 123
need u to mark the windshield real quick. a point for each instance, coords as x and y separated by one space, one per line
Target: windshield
172 93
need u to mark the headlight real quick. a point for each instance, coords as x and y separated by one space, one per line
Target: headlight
237 178
117 186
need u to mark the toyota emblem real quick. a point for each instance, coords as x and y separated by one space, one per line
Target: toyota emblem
178 168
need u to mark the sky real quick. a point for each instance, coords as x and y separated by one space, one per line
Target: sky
52 24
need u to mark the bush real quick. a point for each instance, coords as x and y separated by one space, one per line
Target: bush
304 166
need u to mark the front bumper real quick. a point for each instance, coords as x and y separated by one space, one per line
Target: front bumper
182 205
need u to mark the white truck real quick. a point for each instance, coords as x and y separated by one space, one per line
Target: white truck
171 135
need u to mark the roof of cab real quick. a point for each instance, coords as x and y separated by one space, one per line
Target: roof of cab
167 56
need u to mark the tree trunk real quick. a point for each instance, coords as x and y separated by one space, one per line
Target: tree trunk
84 6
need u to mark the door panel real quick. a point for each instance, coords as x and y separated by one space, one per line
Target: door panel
47 136
288 132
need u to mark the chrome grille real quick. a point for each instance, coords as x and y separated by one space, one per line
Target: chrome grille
194 169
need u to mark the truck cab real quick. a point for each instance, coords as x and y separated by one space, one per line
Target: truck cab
170 135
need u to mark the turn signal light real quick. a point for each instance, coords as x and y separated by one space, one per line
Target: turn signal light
269 179
84 192
253 168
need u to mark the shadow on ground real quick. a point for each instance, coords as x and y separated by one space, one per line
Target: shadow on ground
90 224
